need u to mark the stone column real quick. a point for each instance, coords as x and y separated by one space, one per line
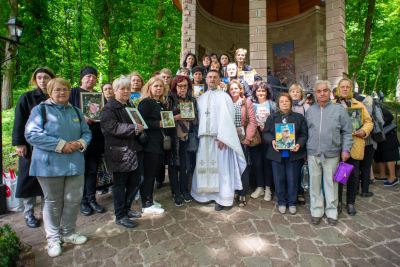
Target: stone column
258 36
337 58
188 28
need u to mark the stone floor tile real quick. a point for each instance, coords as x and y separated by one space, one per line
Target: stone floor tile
110 263
279 263
308 260
227 231
290 249
340 263
264 214
129 256
272 251
178 215
202 254
350 251
268 238
388 233
188 239
359 263
153 254
282 230
358 240
384 252
280 219
121 240
364 220
171 245
103 252
331 236
245 228
263 226
156 236
174 230
253 242
157 264
373 235
330 252
303 230
257 261
242 216
240 248
395 246
161 220
380 262
307 246
190 224
226 257
353 225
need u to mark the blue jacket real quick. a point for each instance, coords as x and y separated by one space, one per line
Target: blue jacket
62 126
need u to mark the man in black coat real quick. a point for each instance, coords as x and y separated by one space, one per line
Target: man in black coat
272 80
96 146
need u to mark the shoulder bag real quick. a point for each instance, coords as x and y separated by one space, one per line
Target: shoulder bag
377 134
390 127
192 144
257 138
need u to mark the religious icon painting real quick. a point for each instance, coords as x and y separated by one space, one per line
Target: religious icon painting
167 118
285 135
198 90
356 117
241 133
187 110
92 104
136 118
262 112
248 76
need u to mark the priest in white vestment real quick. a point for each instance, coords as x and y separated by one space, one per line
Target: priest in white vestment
220 161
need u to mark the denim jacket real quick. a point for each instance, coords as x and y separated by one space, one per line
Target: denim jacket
62 126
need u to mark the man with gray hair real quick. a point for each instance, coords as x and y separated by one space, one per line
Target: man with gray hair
329 137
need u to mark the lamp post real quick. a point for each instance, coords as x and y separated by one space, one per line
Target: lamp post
15 28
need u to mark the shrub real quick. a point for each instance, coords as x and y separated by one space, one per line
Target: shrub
10 246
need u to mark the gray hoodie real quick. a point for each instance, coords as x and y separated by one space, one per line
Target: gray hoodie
329 130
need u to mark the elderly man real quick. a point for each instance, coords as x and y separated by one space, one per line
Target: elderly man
329 136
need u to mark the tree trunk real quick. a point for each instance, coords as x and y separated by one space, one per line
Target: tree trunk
159 34
110 63
67 33
377 76
9 66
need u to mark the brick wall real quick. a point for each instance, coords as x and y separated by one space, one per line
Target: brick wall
258 36
188 28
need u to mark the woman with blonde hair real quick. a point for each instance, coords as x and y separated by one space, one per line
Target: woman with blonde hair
240 56
153 152
28 187
137 82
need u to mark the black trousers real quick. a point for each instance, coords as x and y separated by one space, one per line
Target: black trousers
178 176
125 187
92 161
151 165
365 168
262 165
286 179
161 174
352 183
245 175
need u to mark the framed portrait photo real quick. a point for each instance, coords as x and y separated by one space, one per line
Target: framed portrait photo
136 118
262 112
198 90
285 135
356 117
135 98
92 104
241 133
187 110
167 118
248 76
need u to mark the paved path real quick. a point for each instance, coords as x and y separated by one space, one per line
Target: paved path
256 235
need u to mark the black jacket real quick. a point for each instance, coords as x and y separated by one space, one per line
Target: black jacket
301 134
27 186
249 68
150 110
120 137
391 138
172 156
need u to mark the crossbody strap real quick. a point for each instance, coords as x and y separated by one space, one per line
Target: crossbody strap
44 114
246 120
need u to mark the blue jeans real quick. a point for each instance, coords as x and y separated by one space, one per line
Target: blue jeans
286 178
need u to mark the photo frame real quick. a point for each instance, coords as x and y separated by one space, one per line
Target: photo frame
136 117
167 118
356 117
262 112
198 90
241 133
187 110
92 104
248 76
285 136
226 80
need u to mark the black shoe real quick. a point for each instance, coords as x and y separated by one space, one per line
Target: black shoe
133 214
31 221
96 207
178 200
315 220
187 197
86 210
158 185
218 207
368 194
332 222
125 222
299 201
351 211
339 209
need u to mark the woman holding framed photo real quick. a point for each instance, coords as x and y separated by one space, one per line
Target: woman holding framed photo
181 158
286 151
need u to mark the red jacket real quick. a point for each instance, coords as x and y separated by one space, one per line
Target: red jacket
252 126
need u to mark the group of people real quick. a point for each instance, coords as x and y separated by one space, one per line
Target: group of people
60 148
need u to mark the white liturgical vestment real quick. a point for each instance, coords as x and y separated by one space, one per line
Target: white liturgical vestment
218 172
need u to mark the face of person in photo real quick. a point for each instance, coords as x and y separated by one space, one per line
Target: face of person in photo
89 81
261 94
234 91
240 56
186 108
239 131
231 70
157 89
345 89
213 80
166 116
197 76
108 91
136 84
94 108
184 73
42 79
354 114
60 94
224 60
166 78
284 104
285 134
262 112
182 88
123 93
190 61
215 66
295 94
249 78
322 93
206 62
197 89
214 58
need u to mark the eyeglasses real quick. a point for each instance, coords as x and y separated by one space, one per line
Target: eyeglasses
165 77
57 90
182 86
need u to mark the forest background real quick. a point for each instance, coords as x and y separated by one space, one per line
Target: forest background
118 37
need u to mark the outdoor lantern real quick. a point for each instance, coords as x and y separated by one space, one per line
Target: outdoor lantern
15 28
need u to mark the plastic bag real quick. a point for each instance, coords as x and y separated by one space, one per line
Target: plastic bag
104 178
13 203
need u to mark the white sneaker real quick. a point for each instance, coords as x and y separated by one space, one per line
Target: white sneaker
153 210
282 209
267 195
258 192
54 249
158 205
74 239
292 210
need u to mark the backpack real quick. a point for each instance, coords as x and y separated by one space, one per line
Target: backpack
44 112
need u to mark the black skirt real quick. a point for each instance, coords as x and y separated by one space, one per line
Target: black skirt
27 186
389 155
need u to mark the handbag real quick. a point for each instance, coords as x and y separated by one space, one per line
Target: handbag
390 127
192 144
13 203
342 172
167 141
257 138
377 134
